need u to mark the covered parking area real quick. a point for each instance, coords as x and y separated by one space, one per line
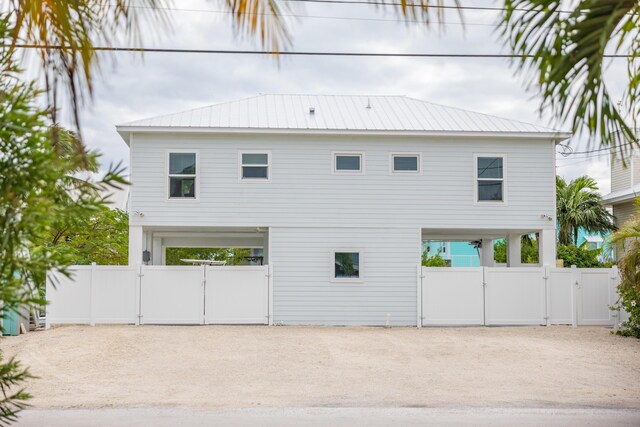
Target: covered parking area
489 294
149 244
484 240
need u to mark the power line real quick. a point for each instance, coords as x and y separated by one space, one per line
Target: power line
290 53
593 156
421 6
609 149
347 18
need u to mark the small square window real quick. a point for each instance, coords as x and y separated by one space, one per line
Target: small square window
403 163
348 162
254 166
346 265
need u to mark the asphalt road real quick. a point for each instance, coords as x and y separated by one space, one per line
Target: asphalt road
351 417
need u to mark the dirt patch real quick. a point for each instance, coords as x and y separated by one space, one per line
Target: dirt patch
215 366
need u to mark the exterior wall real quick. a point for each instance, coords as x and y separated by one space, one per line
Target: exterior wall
620 175
623 177
302 266
311 211
304 192
623 212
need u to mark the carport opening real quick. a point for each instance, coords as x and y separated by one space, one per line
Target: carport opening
231 256
448 253
469 253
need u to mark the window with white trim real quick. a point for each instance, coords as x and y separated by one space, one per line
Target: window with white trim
348 162
405 163
490 178
254 166
182 175
346 265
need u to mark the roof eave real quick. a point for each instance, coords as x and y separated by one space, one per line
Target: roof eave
126 130
612 199
124 134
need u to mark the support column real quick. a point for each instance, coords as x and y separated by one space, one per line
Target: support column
265 248
547 247
486 253
514 250
135 244
156 251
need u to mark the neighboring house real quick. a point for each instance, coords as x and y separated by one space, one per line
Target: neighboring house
118 198
456 254
625 187
339 192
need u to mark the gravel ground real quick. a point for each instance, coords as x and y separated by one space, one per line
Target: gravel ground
213 367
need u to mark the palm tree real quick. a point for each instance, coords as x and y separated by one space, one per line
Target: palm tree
564 47
627 240
578 205
66 33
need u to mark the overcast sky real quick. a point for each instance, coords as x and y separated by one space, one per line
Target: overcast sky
130 87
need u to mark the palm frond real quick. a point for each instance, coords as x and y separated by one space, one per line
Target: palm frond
565 55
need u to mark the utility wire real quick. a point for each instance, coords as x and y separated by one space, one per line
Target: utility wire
421 6
294 15
291 53
571 153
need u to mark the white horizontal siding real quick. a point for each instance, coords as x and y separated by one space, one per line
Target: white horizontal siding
623 212
304 192
620 174
304 294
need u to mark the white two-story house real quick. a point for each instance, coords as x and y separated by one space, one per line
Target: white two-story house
339 192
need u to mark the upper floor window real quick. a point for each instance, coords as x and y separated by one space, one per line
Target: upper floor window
255 165
182 175
405 163
490 185
348 163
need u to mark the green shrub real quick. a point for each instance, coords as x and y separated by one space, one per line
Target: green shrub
627 241
433 261
581 256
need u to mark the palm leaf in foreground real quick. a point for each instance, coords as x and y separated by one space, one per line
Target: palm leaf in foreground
563 45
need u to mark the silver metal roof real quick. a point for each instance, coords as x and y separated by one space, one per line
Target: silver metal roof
337 113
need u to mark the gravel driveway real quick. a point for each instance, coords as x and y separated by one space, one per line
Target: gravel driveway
209 367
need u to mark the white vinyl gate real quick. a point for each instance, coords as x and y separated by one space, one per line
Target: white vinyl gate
172 295
161 295
236 295
517 296
514 296
204 295
591 293
452 299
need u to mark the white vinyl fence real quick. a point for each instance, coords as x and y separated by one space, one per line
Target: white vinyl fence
169 295
518 296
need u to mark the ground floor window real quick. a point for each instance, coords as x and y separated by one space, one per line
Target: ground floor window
346 265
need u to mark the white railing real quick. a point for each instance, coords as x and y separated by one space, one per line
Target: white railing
160 295
518 296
